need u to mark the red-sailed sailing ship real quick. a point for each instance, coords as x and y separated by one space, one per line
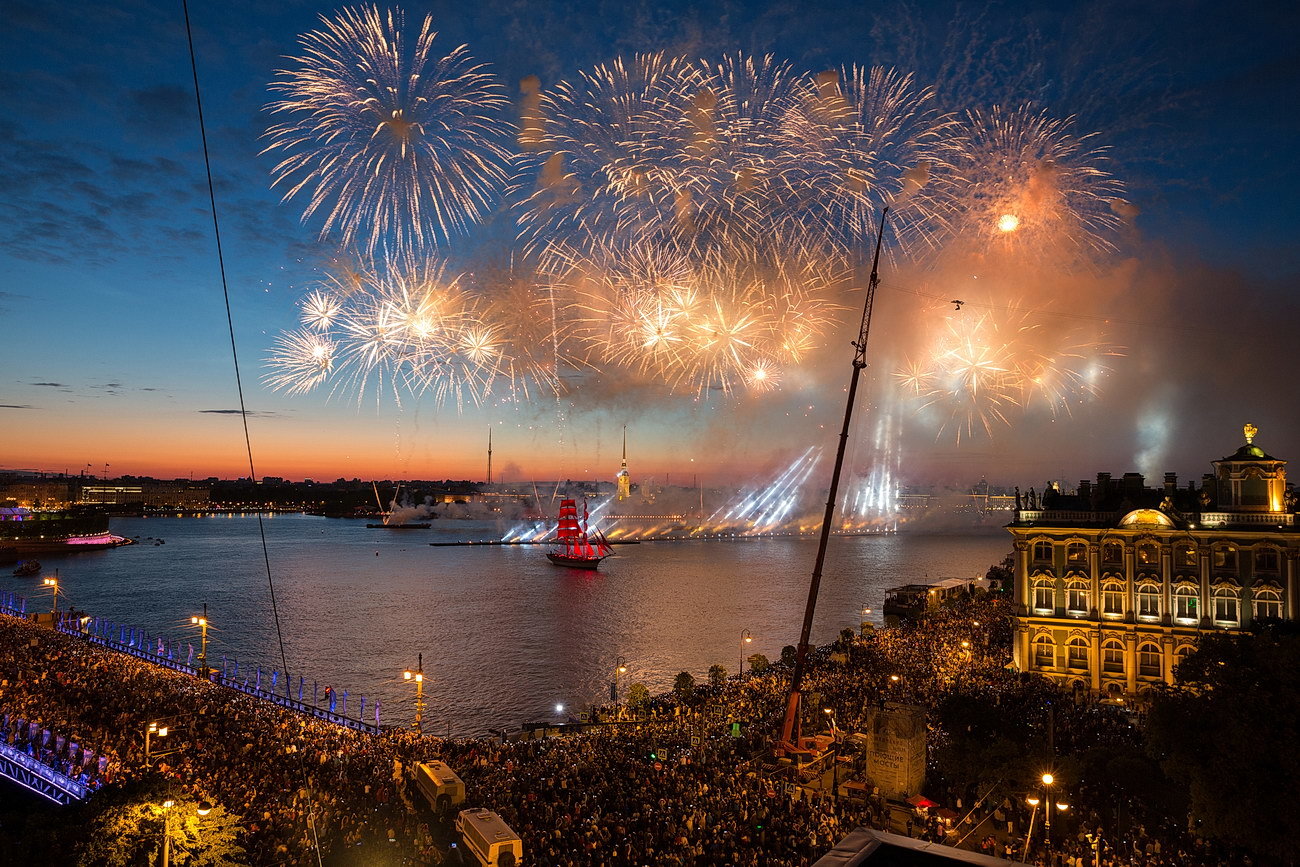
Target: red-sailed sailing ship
574 545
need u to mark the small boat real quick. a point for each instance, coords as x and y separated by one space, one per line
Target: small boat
575 546
28 567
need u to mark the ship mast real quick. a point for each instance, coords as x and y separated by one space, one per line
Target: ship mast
790 734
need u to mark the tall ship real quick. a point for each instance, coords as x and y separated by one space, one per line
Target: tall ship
23 531
575 544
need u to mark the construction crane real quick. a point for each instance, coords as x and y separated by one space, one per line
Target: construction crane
790 740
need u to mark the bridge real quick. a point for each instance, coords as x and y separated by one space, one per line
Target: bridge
34 776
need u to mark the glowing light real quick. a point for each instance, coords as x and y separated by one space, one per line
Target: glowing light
1008 223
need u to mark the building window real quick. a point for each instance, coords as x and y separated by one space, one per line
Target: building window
1043 552
1185 555
1149 601
1043 597
1268 603
1112 657
1044 652
1076 597
1266 560
1181 654
1112 552
1254 491
1149 660
1112 600
1225 557
1076 552
1148 555
1226 606
1077 654
1187 605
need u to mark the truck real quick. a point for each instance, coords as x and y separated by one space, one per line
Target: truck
439 785
489 838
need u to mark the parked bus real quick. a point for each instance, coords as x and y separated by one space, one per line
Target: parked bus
489 838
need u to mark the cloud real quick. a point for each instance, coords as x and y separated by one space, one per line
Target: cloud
16 406
257 413
165 109
49 384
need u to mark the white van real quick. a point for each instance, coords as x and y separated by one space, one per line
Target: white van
489 838
439 785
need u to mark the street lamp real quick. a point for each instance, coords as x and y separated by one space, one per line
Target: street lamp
1048 780
202 623
418 677
1033 802
150 731
53 582
745 638
620 667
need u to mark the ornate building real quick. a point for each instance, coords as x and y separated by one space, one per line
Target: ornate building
1115 583
623 479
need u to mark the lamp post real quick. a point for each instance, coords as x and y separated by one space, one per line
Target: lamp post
54 583
620 667
835 755
202 623
418 677
149 732
167 832
1048 779
745 638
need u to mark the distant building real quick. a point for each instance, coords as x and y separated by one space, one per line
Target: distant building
624 479
1115 582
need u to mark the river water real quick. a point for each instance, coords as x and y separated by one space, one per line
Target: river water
506 635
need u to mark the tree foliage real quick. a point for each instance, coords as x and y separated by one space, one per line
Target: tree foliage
758 663
128 823
1229 733
638 696
717 674
684 684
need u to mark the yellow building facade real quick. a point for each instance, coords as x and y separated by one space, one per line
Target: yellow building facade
1115 583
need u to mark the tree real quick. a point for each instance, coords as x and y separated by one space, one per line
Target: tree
638 696
789 654
758 663
717 674
1227 733
683 685
128 823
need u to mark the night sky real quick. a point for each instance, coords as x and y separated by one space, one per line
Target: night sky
115 336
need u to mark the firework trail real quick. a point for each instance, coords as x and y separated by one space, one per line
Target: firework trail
770 507
1024 185
396 146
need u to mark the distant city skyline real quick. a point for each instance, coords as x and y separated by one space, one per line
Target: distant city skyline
117 349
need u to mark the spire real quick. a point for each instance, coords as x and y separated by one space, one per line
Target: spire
624 480
625 446
489 476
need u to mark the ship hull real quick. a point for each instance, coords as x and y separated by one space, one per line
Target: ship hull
574 562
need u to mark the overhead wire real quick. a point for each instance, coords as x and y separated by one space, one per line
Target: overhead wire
239 385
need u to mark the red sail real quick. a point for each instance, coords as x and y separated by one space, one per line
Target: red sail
568 530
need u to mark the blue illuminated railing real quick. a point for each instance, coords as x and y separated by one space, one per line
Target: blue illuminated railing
38 777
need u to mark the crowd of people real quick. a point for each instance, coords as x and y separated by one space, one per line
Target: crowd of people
680 786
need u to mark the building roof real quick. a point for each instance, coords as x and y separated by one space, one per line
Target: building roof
867 846
1249 452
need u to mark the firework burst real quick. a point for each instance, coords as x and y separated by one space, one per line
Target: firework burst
395 146
1024 184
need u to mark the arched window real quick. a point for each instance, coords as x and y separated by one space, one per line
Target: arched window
1254 491
1185 556
1268 602
1149 660
1148 555
1148 599
1112 552
1181 654
1227 606
1076 552
1112 599
1076 596
1266 560
1112 656
1044 595
1043 552
1187 604
1044 652
1077 653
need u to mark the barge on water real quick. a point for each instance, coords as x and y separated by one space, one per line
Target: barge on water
24 531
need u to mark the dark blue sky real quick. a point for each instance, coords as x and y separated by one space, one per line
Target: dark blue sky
114 323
